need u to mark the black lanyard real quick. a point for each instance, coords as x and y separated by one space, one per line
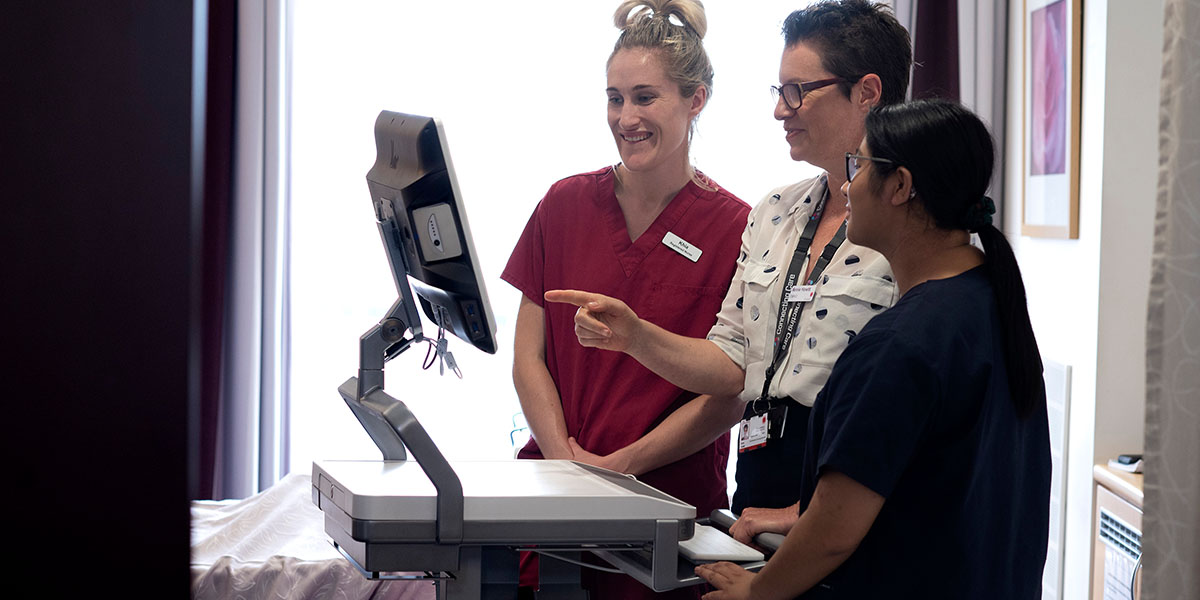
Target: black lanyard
789 312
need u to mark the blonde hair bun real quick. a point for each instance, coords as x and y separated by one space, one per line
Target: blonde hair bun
675 30
687 13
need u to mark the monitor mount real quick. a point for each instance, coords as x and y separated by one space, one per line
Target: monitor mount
388 421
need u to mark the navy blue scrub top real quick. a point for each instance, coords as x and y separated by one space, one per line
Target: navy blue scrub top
918 410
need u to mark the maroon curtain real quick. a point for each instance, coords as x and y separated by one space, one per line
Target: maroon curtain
935 50
99 238
218 193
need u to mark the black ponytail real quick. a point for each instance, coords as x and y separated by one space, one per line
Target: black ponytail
950 154
1021 353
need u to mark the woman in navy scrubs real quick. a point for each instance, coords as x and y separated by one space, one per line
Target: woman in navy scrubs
927 467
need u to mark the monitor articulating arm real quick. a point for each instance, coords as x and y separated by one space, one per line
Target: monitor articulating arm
384 342
389 422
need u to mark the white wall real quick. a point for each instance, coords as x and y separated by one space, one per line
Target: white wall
1130 188
1087 297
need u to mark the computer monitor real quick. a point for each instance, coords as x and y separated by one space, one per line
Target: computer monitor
423 224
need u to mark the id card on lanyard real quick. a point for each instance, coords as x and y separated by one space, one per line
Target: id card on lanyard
766 419
761 427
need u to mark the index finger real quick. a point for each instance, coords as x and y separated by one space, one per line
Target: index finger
576 297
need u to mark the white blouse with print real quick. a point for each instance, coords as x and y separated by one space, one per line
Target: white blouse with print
855 286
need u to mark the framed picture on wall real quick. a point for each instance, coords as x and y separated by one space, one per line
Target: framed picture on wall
1050 156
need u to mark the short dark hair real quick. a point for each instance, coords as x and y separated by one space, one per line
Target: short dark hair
950 154
855 38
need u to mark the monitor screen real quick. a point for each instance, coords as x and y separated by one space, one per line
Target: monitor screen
424 227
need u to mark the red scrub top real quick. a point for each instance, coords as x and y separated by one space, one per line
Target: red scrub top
576 239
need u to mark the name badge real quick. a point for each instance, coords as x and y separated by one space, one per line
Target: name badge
681 246
802 293
753 433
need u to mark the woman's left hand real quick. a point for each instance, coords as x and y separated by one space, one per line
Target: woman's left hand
611 462
732 582
754 521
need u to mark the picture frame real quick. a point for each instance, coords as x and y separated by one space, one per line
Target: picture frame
1050 119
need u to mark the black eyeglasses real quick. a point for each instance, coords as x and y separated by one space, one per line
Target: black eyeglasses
794 93
852 164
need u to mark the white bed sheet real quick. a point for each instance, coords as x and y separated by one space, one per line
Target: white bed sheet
273 545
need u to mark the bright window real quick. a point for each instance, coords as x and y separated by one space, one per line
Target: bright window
520 88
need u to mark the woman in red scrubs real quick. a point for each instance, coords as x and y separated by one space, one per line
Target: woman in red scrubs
655 233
